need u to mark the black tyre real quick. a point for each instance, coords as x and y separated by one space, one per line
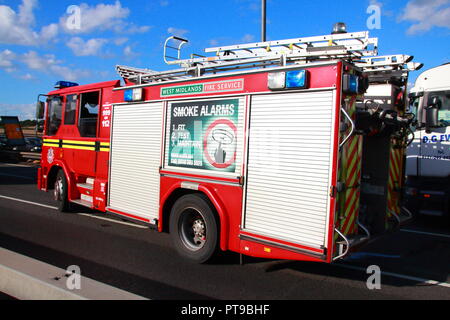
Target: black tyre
60 192
194 228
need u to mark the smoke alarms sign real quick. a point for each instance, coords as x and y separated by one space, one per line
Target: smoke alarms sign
203 135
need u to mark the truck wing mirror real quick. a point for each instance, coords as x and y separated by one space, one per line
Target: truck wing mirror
432 110
40 107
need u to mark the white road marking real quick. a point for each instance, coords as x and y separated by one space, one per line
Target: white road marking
29 202
401 276
426 233
80 214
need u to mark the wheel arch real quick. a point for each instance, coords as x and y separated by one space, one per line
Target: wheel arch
177 191
53 172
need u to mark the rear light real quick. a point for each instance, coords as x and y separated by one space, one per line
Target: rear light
297 79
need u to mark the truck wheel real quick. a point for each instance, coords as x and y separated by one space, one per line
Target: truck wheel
193 227
60 192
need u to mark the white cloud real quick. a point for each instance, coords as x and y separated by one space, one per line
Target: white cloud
6 60
24 111
83 48
426 14
26 16
102 17
16 27
177 32
129 53
248 38
120 41
49 64
26 76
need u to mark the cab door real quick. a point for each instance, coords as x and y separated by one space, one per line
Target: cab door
435 145
85 156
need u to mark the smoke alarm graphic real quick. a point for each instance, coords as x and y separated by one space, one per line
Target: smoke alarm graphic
220 143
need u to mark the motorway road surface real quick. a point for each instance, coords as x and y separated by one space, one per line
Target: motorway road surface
415 262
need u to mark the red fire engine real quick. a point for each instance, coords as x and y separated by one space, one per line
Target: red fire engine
257 149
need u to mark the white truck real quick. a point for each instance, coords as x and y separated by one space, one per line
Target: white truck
428 157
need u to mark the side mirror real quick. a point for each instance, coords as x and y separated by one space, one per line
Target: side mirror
40 107
432 120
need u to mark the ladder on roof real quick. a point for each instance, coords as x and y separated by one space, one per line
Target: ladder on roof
351 46
389 67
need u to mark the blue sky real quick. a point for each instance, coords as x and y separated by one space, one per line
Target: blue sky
38 46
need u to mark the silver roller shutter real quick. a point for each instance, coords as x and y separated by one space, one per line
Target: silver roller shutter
135 159
289 166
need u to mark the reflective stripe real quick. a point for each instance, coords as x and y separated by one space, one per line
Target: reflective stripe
65 146
78 145
91 143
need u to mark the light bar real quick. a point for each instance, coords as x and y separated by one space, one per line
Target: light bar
297 79
65 84
131 95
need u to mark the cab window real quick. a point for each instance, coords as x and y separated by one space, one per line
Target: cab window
444 108
70 110
54 115
89 106
414 107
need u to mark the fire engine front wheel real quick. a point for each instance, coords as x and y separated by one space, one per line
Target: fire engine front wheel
60 192
193 227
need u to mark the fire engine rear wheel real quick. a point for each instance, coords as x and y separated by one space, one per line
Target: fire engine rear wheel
193 227
60 191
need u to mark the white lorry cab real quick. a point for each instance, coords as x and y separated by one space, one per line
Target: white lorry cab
428 157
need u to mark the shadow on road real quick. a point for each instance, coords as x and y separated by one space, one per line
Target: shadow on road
11 175
132 283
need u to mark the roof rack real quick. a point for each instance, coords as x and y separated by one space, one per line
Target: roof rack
351 46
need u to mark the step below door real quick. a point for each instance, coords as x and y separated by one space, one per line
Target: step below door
135 159
290 154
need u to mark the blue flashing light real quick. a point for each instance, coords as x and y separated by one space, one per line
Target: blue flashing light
65 84
128 95
350 84
297 79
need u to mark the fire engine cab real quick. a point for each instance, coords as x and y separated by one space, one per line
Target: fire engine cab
259 148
